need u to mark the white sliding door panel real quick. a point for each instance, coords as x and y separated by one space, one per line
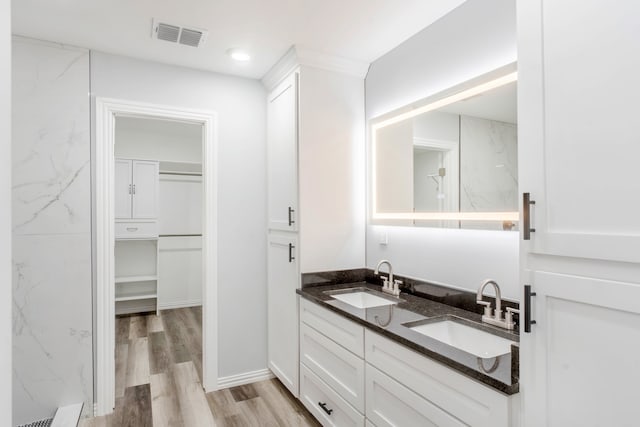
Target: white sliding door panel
145 189
180 204
122 188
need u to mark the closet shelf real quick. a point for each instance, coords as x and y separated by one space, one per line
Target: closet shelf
135 297
133 279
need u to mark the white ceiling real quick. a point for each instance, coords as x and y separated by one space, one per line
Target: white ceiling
356 29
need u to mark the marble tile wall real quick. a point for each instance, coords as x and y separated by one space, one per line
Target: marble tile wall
488 168
52 344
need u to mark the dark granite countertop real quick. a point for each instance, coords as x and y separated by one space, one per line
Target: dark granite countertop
500 373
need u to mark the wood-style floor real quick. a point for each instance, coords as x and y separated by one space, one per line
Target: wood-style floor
159 381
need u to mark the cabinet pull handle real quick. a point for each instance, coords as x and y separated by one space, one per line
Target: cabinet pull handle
291 221
132 228
526 216
291 248
134 189
527 308
130 189
324 407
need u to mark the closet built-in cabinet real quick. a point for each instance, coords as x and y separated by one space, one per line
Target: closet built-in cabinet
136 233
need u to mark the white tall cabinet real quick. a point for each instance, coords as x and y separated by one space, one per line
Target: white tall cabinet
136 232
315 137
578 151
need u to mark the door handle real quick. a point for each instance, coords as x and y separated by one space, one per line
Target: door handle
291 221
527 308
526 216
291 248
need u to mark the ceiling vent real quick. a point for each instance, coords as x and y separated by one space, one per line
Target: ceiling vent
194 37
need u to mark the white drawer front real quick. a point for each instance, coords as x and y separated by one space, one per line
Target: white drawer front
336 366
348 334
470 401
391 404
313 392
136 230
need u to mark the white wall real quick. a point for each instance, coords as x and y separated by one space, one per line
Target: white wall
5 212
158 140
331 175
51 229
478 36
240 104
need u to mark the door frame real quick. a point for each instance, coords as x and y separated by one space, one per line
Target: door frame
107 110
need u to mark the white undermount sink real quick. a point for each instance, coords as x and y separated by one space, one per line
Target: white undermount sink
362 298
465 338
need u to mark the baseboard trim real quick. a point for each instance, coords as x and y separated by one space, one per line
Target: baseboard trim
246 378
179 304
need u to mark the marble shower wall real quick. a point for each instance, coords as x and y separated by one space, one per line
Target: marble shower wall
488 168
52 344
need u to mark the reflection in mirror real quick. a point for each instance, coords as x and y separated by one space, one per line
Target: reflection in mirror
451 162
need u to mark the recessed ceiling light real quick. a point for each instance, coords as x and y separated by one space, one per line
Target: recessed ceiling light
238 55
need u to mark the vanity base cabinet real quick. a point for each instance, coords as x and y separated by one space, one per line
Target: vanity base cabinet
440 389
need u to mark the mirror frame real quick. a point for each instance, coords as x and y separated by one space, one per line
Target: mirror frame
485 82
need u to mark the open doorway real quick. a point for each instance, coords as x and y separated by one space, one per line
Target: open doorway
155 246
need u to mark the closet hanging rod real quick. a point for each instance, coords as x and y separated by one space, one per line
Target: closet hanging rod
181 235
181 173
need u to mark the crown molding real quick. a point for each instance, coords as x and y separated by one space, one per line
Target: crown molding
298 56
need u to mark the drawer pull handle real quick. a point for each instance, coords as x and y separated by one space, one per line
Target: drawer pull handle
526 216
291 221
324 407
132 228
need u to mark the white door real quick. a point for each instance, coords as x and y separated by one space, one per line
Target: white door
282 144
578 149
123 188
145 189
282 310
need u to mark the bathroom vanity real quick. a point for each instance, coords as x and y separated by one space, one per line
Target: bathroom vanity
366 357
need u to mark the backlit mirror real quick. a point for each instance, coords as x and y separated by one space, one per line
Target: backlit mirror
450 160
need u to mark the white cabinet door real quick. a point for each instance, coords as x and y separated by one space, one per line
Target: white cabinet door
282 149
578 128
579 365
123 188
145 189
282 310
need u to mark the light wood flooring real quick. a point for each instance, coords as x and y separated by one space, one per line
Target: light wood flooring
159 381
